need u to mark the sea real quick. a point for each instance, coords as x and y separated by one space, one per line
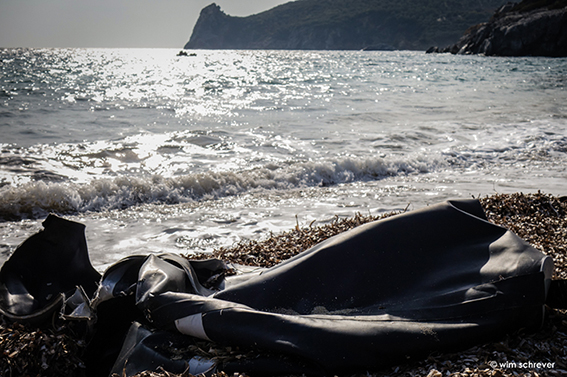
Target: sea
156 152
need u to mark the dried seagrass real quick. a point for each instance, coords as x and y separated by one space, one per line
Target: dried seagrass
33 352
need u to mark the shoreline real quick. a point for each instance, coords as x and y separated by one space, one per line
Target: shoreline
540 219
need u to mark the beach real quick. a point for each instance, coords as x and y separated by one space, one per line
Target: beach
539 218
227 153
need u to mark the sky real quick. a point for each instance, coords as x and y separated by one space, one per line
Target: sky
110 23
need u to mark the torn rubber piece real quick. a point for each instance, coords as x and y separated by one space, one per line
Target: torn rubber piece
50 263
123 294
557 297
78 307
149 350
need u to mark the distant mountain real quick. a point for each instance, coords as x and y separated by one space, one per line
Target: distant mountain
532 27
342 25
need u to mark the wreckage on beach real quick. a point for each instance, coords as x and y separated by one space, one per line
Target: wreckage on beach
438 279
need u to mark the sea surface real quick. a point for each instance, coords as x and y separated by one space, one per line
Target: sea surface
155 152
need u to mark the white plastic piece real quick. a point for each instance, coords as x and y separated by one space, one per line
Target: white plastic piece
547 269
199 365
192 325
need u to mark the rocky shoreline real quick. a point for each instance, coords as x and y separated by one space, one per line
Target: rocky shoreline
538 218
531 28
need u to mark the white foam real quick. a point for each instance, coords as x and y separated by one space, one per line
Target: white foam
33 199
501 149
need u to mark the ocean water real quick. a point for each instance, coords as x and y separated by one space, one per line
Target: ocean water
159 153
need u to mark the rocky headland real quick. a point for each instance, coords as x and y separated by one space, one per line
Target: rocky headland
341 25
530 28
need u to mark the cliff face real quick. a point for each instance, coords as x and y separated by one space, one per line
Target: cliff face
517 30
341 25
211 28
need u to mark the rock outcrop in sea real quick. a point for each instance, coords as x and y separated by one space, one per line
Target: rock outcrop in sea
341 25
530 28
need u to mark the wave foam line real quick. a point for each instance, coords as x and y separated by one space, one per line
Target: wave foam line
33 200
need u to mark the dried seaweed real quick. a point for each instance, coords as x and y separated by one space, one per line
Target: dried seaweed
33 352
277 248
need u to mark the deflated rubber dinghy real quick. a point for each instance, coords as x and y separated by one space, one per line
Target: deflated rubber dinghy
438 279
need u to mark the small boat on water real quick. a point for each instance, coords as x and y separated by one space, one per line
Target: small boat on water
184 53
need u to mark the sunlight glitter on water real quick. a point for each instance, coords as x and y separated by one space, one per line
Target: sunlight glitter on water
233 144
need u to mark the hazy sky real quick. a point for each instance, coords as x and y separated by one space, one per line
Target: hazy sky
110 23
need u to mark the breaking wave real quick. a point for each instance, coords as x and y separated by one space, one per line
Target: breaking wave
36 199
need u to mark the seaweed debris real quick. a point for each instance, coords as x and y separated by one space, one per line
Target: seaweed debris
28 351
279 247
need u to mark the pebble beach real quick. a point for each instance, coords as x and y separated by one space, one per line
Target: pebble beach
540 219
